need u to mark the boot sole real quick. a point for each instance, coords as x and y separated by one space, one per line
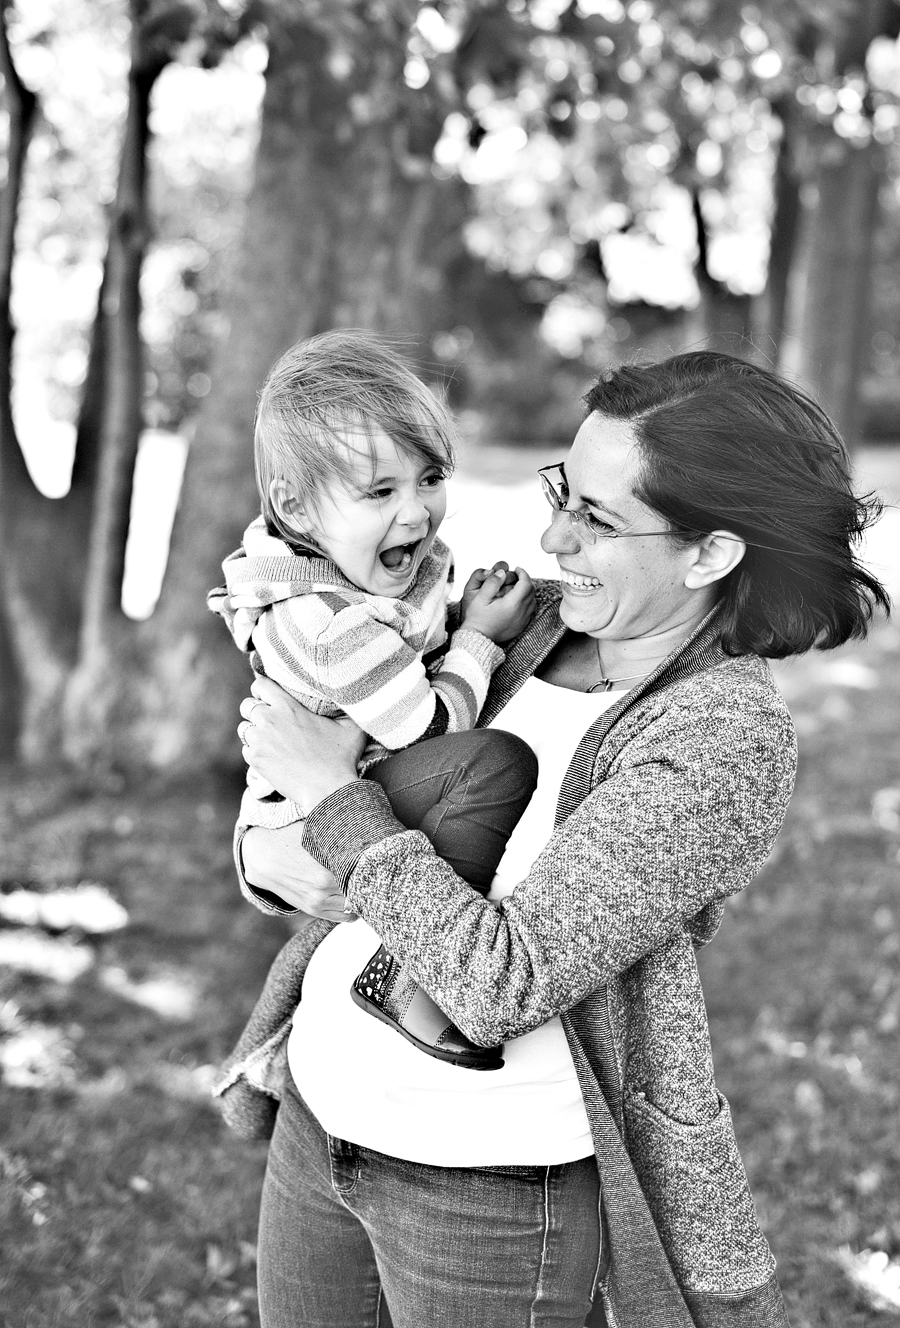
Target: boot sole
491 1060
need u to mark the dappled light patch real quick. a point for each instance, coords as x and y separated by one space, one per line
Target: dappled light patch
169 996
87 907
29 950
886 809
187 1082
17 1182
34 1054
37 1056
848 673
874 1274
818 1052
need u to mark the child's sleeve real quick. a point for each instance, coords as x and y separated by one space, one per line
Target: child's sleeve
363 667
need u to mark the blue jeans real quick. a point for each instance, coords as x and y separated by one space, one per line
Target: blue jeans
351 1238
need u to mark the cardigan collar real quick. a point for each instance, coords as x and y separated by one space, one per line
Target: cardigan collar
701 650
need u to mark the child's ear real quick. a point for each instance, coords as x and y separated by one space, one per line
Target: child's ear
287 505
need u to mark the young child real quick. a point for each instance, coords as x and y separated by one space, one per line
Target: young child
339 593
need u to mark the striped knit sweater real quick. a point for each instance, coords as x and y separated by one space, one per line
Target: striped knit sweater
387 663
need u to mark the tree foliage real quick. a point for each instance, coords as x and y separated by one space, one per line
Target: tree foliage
471 173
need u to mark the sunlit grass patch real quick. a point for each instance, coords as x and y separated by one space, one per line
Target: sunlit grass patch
87 907
131 1205
877 1276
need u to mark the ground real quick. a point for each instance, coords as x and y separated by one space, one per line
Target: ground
128 962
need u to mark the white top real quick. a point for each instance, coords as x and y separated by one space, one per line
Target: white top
367 1084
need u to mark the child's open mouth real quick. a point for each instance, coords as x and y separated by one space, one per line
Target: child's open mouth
400 557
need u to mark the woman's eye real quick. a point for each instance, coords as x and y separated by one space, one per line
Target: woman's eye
595 522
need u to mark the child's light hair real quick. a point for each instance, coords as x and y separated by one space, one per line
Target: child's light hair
334 388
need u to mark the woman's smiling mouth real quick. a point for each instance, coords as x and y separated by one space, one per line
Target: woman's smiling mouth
578 582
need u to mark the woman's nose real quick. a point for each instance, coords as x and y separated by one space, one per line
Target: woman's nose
560 536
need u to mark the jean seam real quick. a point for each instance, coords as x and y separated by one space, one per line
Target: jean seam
539 1289
462 770
447 804
342 1191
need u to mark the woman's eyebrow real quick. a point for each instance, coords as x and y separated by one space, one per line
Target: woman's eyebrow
602 507
595 502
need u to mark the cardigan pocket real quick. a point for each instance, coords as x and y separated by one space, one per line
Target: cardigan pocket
697 1190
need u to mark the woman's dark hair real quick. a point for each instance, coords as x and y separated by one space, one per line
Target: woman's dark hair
727 445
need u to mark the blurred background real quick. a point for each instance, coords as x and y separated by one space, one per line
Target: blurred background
520 192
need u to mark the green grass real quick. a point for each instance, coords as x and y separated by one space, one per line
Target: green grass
124 1202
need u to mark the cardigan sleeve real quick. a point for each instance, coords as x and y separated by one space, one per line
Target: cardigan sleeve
686 816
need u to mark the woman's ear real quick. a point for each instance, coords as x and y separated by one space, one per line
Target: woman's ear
715 555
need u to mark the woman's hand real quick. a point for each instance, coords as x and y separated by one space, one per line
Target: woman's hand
276 861
304 756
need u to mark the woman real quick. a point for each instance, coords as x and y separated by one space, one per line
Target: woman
703 521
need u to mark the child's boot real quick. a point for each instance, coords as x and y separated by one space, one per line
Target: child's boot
386 991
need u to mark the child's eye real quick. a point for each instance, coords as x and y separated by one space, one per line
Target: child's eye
379 494
432 481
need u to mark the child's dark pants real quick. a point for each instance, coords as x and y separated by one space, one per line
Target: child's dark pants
466 792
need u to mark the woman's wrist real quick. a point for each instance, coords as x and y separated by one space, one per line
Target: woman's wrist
321 786
270 900
341 827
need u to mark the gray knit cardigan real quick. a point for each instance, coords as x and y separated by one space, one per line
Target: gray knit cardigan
672 802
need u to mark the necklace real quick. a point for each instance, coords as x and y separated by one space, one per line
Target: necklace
607 684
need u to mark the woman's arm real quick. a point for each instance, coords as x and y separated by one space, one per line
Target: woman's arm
687 816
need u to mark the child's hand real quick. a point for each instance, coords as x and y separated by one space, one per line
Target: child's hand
498 603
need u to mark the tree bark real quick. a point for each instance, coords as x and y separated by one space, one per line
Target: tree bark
787 211
836 295
835 300
94 688
99 699
727 318
37 636
333 236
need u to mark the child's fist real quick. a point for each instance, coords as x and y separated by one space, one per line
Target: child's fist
498 603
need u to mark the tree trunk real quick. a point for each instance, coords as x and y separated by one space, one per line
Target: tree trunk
37 628
332 236
94 690
785 228
835 297
727 318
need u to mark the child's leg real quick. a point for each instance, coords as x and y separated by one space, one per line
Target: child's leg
466 791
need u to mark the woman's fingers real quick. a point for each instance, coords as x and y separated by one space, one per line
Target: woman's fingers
249 705
264 689
275 860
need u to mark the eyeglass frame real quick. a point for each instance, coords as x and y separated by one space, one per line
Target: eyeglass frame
581 518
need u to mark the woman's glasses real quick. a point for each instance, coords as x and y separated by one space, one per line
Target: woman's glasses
591 528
